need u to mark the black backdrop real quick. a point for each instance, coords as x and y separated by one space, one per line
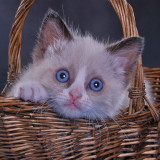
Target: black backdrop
94 16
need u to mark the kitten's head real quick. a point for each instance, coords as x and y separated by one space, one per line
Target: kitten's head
84 78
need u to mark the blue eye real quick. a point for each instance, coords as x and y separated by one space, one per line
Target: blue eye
62 76
96 85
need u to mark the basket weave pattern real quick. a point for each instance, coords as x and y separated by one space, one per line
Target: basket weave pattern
32 131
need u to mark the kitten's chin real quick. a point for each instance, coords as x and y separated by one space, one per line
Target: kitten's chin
73 111
72 106
69 110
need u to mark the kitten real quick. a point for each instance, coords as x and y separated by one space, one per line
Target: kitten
77 75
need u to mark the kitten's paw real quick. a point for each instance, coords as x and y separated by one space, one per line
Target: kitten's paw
31 91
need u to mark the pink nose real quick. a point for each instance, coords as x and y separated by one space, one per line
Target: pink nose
75 94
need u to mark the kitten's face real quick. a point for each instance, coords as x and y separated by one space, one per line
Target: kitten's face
84 78
84 61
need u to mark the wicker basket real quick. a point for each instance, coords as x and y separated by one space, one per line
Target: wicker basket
31 131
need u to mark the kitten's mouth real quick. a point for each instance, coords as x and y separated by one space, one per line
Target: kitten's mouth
72 105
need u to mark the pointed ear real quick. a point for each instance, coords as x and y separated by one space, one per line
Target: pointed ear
126 52
53 28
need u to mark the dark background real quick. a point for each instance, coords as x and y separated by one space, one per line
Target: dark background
94 16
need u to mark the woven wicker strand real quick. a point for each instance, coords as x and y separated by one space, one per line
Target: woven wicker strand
33 131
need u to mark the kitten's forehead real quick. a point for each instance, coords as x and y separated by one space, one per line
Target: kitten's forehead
82 55
83 51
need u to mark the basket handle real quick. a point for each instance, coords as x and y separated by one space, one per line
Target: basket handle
137 92
126 16
14 60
